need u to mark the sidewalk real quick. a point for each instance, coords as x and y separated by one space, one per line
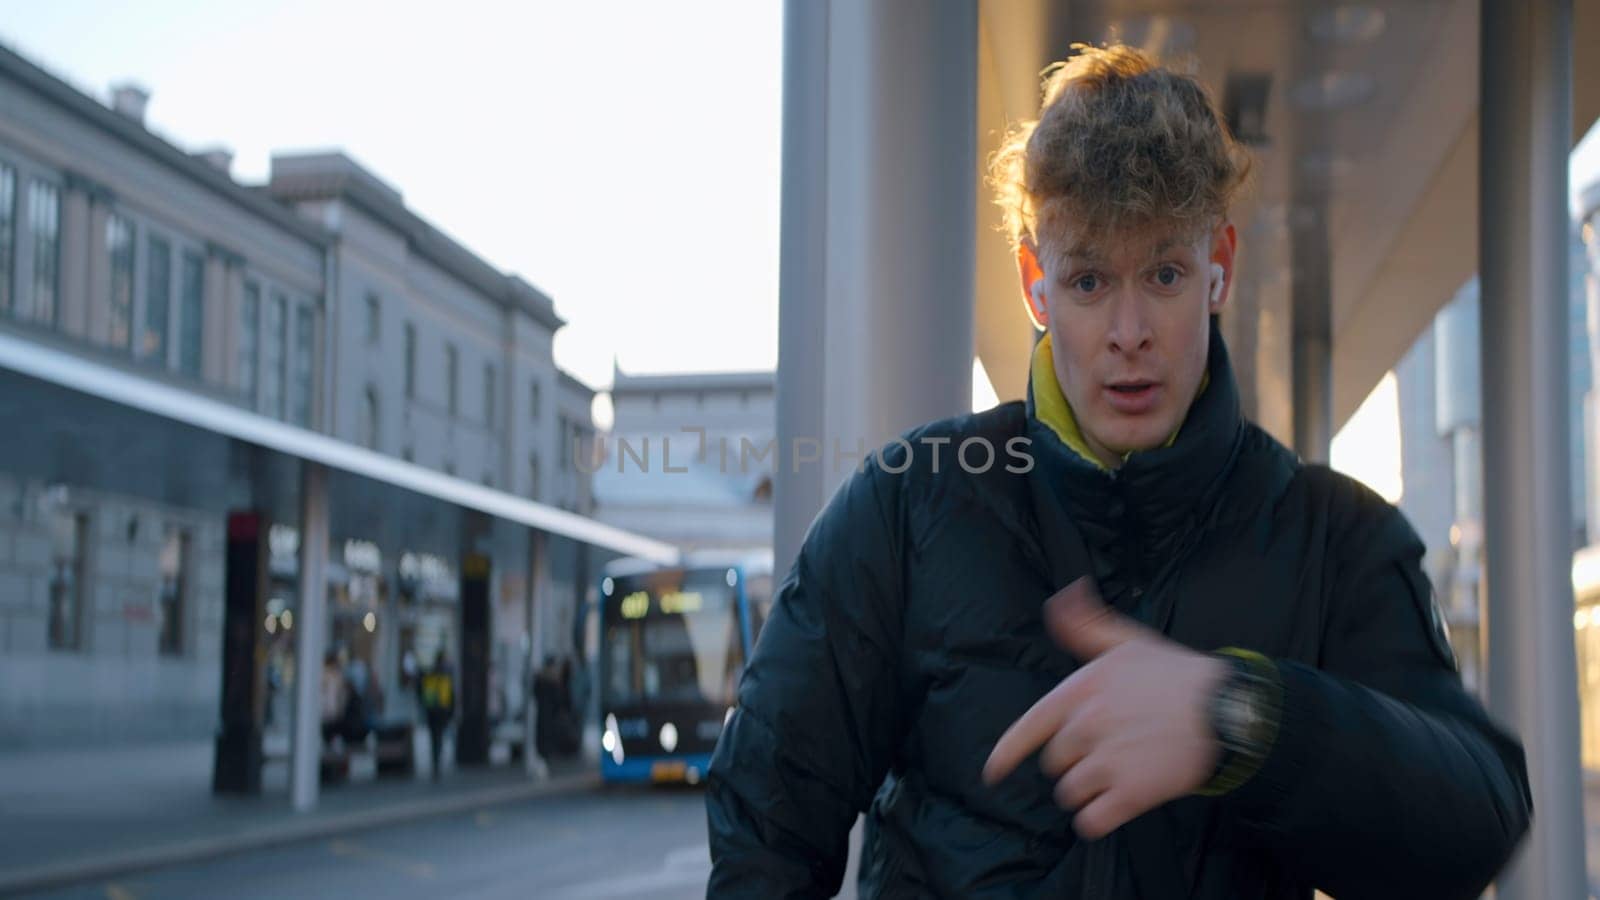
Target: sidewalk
83 814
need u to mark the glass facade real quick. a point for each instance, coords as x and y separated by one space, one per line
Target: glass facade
411 360
44 227
273 358
157 300
8 236
191 317
119 303
304 352
249 356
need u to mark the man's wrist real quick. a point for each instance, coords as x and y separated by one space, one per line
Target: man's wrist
1243 712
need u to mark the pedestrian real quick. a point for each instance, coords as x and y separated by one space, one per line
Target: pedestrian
438 690
1157 657
335 694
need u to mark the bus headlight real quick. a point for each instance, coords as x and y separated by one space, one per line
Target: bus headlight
669 737
612 739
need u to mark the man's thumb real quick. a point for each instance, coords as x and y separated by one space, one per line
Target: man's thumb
1082 624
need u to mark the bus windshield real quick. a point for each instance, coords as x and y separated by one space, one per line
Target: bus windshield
672 637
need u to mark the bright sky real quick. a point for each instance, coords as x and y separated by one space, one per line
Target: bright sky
622 156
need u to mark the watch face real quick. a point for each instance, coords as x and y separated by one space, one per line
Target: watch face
1239 715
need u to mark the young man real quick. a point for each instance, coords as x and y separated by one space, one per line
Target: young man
1264 701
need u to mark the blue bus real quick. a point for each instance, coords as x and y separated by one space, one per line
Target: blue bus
673 642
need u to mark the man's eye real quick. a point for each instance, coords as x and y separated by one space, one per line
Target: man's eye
1086 283
1167 276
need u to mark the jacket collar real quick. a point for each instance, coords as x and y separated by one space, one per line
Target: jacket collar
1135 520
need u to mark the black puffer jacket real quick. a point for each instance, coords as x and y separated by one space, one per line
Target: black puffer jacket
908 636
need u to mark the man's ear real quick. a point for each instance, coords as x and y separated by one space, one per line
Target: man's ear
1224 250
1032 275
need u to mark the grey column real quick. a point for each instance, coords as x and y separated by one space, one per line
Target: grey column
1313 397
538 563
310 621
1524 137
875 316
1311 354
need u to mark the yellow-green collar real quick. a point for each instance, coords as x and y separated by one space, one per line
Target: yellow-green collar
1050 406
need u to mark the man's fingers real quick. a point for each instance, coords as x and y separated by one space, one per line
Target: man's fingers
1030 732
1083 625
1070 744
1083 783
1104 814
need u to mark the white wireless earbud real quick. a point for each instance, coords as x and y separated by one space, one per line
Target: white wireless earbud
1217 281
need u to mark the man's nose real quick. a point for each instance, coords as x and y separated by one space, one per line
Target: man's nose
1130 323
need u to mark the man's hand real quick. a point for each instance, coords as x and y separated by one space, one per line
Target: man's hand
1125 733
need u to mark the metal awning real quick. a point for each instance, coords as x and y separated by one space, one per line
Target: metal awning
129 389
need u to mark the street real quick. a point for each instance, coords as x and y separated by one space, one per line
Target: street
603 843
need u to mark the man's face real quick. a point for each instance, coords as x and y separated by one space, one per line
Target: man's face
1128 317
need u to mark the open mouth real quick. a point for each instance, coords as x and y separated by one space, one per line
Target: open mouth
1133 397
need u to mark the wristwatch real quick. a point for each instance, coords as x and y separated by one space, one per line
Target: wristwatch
1243 714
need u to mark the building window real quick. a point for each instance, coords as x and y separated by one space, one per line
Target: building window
565 440
369 419
119 244
174 590
411 361
583 445
157 300
69 538
374 318
249 340
489 378
191 315
533 400
273 357
533 477
8 235
304 347
44 224
450 377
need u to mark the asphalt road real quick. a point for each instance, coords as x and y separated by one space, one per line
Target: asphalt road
610 843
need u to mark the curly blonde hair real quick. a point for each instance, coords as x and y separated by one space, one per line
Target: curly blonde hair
1120 143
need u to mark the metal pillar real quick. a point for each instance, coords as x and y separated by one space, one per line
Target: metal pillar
875 317
1311 354
538 562
1313 397
310 622
1525 129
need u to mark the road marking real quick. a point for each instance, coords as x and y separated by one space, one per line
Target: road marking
682 867
352 850
697 857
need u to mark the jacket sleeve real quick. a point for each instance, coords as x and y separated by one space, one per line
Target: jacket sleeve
811 738
1386 778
